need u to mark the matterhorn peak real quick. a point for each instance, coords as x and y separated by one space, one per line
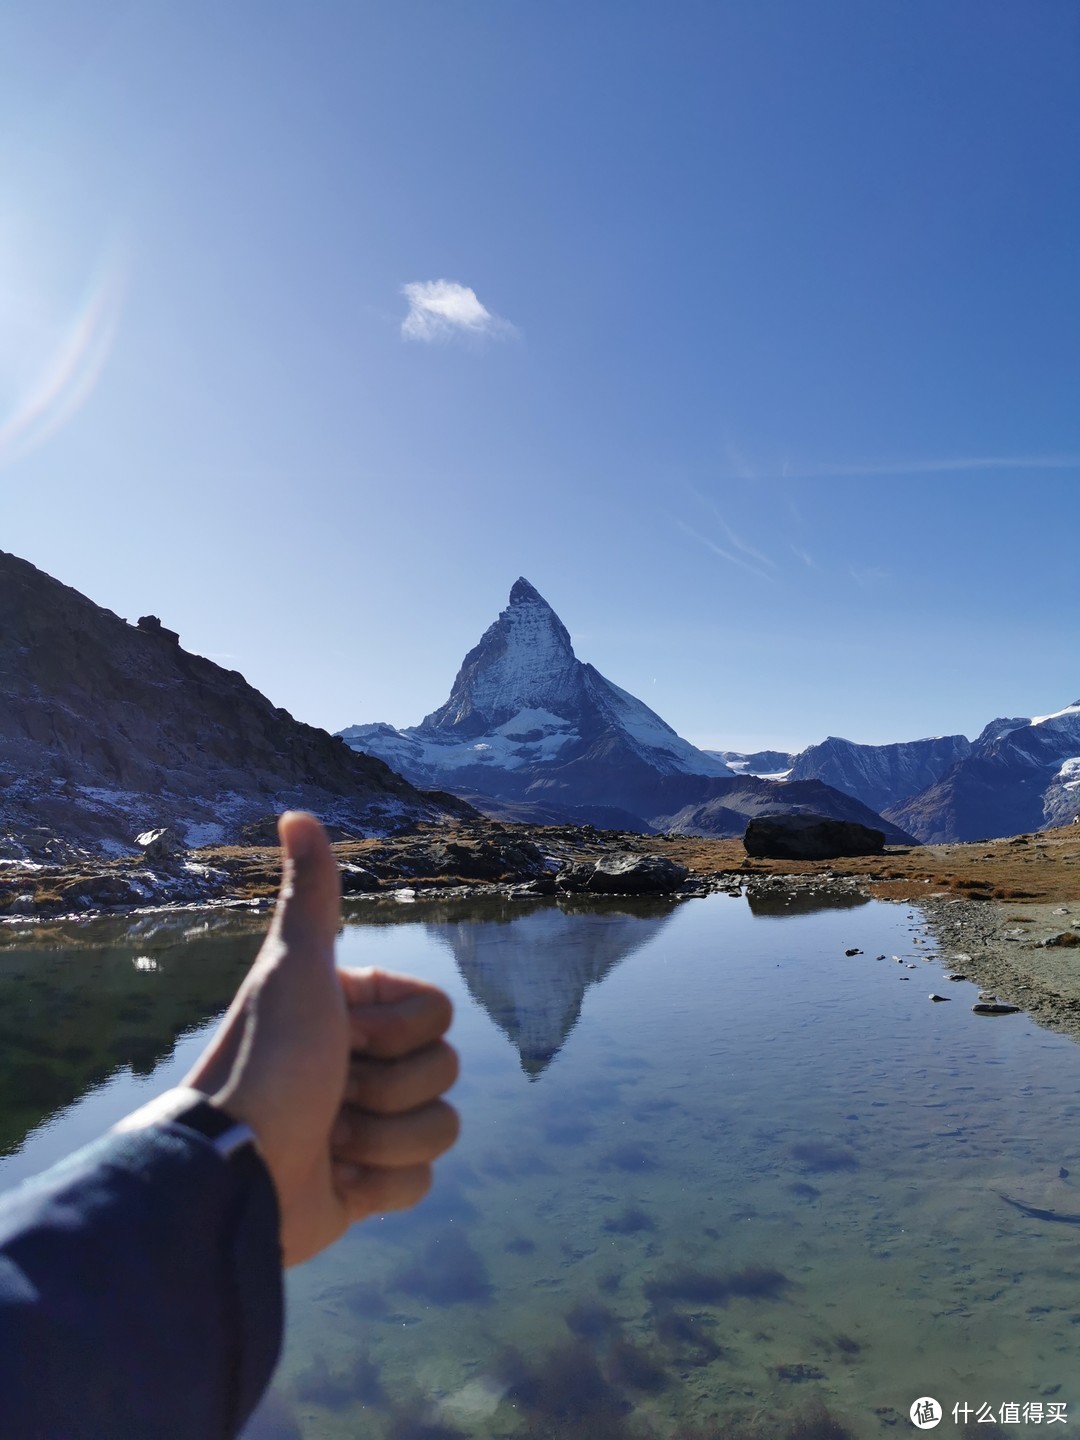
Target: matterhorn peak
523 663
528 721
522 593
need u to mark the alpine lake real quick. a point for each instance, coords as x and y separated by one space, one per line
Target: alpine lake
716 1177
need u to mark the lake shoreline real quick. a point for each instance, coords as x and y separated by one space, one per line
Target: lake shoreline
991 904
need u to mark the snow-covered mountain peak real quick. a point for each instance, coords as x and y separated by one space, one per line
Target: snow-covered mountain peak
524 707
522 593
1069 714
524 661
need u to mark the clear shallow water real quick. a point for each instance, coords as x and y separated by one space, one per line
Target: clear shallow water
711 1170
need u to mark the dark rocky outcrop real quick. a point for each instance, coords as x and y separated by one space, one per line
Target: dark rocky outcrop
809 837
108 728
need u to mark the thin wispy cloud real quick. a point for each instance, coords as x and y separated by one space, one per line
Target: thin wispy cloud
945 465
738 543
868 575
443 310
734 540
732 557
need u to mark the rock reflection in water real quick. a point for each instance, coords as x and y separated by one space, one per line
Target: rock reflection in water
785 900
530 972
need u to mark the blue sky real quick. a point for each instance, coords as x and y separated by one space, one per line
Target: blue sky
759 352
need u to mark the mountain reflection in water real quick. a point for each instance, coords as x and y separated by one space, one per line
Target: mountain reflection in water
532 983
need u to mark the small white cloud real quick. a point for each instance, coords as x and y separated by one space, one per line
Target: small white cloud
441 309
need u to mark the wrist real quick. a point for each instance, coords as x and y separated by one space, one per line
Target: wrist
226 1131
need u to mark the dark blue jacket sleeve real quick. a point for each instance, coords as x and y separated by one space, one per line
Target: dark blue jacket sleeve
140 1292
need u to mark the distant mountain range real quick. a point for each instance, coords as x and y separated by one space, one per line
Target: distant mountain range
108 728
530 732
1018 774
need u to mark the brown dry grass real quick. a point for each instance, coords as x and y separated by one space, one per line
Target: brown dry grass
1040 867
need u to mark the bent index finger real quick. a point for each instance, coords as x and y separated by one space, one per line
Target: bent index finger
392 1015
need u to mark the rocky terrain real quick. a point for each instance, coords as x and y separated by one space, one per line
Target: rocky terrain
480 857
1025 955
108 728
533 734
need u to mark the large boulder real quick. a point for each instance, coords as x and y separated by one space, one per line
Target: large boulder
160 844
809 837
622 875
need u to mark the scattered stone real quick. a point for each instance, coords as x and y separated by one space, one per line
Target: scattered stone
1066 938
957 976
939 999
853 952
995 1009
809 837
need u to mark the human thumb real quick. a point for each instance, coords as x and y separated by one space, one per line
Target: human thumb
288 1070
309 902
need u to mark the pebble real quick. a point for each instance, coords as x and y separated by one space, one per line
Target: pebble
853 952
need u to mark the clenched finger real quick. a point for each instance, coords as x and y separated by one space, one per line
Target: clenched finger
390 1087
376 1192
390 1028
394 1141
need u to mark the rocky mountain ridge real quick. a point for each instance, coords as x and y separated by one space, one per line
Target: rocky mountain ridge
1019 774
880 775
108 728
